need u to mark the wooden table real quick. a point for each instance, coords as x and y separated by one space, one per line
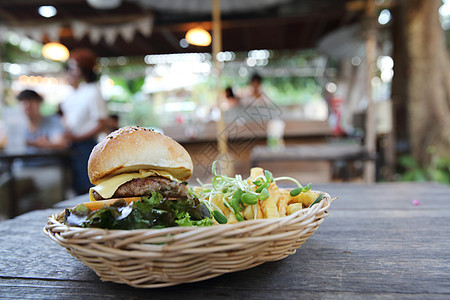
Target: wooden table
375 244
8 159
329 152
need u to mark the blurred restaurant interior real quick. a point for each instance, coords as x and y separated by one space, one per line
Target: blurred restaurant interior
335 75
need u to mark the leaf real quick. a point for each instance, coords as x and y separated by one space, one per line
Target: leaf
184 219
318 199
296 192
264 186
264 195
154 200
239 217
250 199
81 210
258 182
235 201
269 176
73 219
125 211
220 218
307 188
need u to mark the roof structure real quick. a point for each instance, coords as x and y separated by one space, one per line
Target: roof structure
275 24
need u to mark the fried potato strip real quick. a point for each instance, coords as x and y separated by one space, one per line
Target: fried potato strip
278 204
269 206
217 200
306 198
292 208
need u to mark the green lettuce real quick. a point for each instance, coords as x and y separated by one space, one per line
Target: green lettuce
184 219
150 212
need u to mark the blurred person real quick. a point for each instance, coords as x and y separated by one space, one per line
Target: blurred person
254 94
59 111
38 180
43 132
231 106
232 99
85 114
111 124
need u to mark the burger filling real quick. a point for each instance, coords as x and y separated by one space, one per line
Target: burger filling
153 211
145 186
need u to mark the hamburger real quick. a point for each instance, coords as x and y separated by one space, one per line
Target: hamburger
139 177
136 161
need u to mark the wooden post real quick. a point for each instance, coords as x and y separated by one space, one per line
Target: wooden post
370 134
2 84
217 31
222 136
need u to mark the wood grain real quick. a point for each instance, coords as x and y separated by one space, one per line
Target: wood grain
375 243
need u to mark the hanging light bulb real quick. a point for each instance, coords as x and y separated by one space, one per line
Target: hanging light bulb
47 11
55 51
198 37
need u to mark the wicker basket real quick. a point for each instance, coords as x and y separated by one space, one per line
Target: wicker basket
150 258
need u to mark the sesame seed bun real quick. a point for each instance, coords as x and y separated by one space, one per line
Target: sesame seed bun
130 149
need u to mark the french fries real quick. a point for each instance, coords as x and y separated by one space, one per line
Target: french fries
231 218
292 208
307 198
279 203
256 197
249 212
269 206
217 200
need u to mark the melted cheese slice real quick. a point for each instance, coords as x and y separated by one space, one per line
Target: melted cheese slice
108 187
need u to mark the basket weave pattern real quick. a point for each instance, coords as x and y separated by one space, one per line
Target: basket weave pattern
151 258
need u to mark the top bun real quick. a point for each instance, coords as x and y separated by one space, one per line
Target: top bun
130 149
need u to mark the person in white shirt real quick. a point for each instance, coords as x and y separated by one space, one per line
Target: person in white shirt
84 114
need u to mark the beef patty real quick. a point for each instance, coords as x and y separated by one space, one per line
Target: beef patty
144 186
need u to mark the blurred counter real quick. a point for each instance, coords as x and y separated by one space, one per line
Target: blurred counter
245 130
201 143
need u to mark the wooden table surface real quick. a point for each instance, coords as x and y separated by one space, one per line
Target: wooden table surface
375 244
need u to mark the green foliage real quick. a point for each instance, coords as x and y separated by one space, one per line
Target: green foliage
293 90
438 169
204 93
13 53
129 87
441 170
413 171
135 85
143 114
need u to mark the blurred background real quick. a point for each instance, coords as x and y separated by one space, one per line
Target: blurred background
353 90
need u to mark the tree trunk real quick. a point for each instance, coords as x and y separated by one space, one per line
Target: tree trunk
399 91
428 106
